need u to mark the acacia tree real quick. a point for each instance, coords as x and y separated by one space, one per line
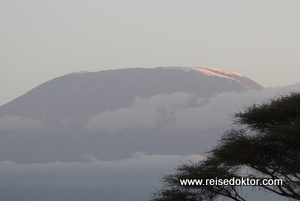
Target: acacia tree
264 143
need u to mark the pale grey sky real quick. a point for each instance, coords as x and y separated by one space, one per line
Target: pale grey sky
41 40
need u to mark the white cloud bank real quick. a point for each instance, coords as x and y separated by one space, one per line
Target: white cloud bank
11 122
143 113
182 111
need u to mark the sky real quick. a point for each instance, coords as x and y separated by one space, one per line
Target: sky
41 40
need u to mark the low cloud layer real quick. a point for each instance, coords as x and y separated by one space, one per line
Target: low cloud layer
182 111
143 113
141 169
19 123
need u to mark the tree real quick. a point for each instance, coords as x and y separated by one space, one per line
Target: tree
263 143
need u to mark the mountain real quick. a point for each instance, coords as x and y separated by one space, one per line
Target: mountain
111 114
86 94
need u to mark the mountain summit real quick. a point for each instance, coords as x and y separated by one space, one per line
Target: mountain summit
88 93
111 114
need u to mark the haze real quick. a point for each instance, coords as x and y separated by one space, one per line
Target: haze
41 40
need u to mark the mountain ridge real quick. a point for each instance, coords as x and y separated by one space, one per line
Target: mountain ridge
81 89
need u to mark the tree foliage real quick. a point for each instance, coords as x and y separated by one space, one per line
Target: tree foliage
264 143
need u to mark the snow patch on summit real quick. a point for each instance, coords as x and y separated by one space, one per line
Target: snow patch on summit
226 71
211 72
219 72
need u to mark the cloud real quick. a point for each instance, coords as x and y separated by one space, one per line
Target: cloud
217 111
182 111
143 113
141 169
11 122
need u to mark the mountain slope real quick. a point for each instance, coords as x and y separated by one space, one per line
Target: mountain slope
90 93
111 114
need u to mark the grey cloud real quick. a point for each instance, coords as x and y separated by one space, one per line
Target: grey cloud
18 123
140 169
